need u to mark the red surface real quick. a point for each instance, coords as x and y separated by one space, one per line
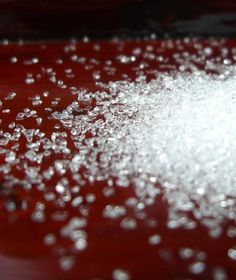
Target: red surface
22 253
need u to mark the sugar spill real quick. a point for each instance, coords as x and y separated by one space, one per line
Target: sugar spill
172 137
178 131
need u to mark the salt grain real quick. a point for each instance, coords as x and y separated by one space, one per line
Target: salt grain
128 223
120 274
154 239
219 274
232 253
49 239
197 268
67 262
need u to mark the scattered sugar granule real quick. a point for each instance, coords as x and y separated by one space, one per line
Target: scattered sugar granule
154 239
197 267
67 262
120 274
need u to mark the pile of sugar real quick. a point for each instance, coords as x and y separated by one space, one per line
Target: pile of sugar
170 139
178 131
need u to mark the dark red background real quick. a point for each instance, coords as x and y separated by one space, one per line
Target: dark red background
32 19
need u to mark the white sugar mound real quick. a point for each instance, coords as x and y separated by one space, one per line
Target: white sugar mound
178 131
181 130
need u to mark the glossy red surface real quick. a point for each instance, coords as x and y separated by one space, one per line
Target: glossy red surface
23 254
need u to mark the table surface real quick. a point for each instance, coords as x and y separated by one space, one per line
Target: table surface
23 253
